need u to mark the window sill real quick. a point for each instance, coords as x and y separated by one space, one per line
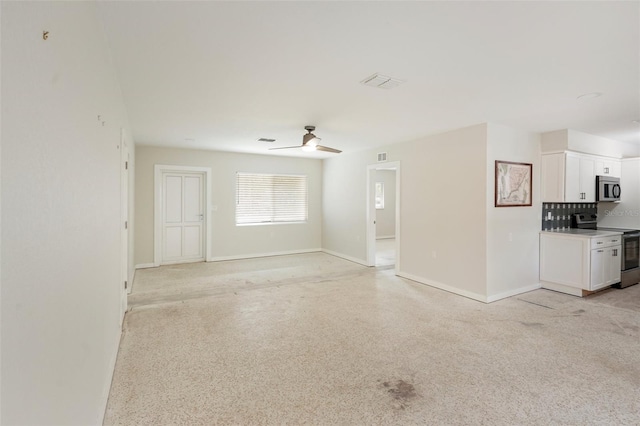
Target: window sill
272 223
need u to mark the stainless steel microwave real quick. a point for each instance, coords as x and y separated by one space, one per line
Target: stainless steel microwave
607 188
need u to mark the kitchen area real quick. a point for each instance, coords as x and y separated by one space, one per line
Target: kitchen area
590 228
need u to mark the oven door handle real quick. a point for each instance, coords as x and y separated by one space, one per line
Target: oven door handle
631 235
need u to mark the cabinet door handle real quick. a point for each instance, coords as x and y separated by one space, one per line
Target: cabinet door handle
600 251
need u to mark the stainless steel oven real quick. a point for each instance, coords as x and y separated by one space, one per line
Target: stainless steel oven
630 259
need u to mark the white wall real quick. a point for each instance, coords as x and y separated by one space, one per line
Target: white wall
558 140
386 217
572 140
630 150
626 213
512 232
229 240
442 203
61 274
344 213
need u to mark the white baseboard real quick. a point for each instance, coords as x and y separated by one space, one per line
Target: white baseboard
182 262
562 288
145 265
445 287
251 256
514 292
385 237
344 256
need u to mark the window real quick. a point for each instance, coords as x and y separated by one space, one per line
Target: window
379 195
267 198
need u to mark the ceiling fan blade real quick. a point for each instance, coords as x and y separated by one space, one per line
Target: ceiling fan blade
286 147
327 149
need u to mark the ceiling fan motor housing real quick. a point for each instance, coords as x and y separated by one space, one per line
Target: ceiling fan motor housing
306 138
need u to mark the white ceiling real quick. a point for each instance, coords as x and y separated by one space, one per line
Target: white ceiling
220 75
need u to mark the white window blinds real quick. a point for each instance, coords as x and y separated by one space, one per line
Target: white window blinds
268 198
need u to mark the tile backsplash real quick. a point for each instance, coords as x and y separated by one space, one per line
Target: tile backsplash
560 217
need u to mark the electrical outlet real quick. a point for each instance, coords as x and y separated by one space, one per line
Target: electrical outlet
510 236
434 254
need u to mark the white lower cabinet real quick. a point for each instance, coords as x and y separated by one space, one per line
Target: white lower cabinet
605 267
575 264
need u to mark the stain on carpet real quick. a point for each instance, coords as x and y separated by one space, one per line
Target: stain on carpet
402 392
534 303
531 324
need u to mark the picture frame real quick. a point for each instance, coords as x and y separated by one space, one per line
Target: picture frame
513 184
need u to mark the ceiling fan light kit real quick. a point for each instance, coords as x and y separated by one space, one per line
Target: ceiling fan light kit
310 143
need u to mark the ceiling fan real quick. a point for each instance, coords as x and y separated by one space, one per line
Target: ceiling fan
310 143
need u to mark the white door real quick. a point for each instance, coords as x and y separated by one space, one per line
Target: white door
183 212
588 179
599 268
572 190
124 224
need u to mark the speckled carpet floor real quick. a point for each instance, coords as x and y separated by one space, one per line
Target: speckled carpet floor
313 339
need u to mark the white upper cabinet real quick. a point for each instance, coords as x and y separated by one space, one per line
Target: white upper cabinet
570 177
572 187
608 167
552 171
580 178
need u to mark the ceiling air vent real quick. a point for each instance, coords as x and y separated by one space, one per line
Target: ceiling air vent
266 140
382 81
382 156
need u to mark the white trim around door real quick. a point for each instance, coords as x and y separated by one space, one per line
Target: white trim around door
371 211
158 231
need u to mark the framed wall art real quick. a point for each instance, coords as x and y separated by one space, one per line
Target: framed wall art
513 184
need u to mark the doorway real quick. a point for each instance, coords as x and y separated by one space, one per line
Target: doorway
182 219
383 215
